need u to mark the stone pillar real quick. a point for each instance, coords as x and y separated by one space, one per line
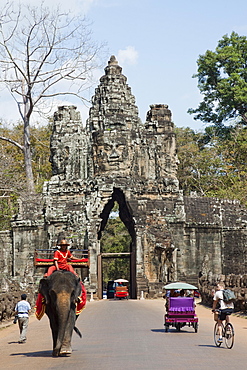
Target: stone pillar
139 253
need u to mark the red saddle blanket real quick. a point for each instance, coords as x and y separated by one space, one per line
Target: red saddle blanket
40 303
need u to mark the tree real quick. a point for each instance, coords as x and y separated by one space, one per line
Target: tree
39 49
233 151
213 165
222 80
11 185
12 178
200 164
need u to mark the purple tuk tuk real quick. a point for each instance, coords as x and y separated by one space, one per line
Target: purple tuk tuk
180 310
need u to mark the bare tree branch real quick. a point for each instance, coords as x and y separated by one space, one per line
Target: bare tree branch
12 142
39 49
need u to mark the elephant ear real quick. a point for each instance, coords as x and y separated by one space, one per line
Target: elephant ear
44 289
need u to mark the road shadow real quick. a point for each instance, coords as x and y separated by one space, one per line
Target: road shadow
172 331
34 354
116 300
210 346
158 330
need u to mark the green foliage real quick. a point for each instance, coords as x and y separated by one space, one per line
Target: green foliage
8 207
234 152
12 173
115 239
212 164
199 165
222 80
40 142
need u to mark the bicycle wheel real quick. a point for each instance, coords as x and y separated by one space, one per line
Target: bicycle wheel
229 335
216 335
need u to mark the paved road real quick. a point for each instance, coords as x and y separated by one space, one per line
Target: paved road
120 335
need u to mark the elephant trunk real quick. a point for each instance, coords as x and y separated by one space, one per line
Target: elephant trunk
63 312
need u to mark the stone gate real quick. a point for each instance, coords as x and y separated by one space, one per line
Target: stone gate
117 158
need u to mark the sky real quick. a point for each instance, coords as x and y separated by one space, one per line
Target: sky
157 44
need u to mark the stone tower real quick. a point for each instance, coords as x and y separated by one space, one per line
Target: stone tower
122 145
115 158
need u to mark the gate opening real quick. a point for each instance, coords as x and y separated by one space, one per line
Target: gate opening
117 238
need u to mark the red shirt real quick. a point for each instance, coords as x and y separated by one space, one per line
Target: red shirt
62 258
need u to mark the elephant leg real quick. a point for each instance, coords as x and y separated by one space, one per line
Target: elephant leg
56 349
66 348
56 342
55 352
54 330
66 344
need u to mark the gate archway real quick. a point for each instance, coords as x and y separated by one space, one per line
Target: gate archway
127 219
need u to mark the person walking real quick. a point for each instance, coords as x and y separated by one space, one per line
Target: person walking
22 309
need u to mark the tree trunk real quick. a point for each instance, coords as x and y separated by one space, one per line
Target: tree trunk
28 155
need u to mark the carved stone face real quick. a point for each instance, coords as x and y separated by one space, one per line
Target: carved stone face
59 159
111 152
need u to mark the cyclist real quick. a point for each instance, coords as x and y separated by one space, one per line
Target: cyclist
225 309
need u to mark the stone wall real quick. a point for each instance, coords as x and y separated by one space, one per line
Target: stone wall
219 235
237 283
11 290
28 234
6 254
11 287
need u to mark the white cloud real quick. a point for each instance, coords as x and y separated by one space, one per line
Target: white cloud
128 56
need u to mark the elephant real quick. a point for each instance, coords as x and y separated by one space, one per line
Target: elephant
61 291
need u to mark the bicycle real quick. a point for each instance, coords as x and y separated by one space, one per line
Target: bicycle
227 333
